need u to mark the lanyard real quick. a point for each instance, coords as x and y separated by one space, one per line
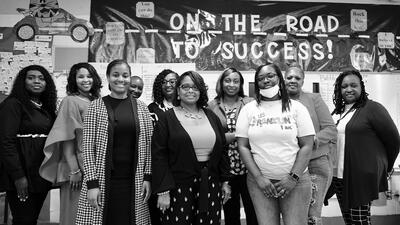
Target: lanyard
341 117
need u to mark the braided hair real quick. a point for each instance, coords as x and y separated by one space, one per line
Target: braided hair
338 99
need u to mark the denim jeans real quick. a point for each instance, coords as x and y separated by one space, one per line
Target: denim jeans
321 177
294 207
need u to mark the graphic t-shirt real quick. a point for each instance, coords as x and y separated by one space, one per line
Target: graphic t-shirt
273 134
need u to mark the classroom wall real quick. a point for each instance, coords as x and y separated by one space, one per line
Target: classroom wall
382 87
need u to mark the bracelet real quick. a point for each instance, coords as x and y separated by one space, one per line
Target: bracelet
163 193
75 172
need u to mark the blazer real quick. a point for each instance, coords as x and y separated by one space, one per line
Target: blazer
174 160
325 128
372 144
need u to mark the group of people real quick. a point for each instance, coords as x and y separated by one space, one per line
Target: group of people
183 158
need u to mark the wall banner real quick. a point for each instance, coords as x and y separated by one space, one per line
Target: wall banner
215 34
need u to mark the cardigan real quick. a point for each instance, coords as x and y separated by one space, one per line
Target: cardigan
97 141
371 147
22 156
325 129
215 106
173 158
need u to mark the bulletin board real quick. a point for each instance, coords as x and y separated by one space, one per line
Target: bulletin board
16 54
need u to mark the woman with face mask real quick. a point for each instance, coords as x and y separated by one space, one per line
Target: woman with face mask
275 138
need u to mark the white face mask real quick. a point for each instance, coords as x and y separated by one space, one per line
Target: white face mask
270 92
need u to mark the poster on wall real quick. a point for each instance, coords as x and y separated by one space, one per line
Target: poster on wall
30 39
46 17
16 54
215 34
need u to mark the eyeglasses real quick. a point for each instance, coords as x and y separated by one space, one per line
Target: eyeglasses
172 82
268 76
187 87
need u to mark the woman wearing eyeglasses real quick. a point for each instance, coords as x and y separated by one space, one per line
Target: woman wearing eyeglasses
275 138
163 92
189 158
163 95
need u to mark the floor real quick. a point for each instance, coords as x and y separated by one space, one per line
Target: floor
384 212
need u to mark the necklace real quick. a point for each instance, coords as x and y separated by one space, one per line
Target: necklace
167 105
191 115
83 98
37 104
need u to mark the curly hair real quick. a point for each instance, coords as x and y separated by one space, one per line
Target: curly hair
72 87
199 82
158 95
282 87
48 97
220 83
338 99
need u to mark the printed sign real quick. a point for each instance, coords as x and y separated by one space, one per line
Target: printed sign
145 9
358 20
46 38
115 33
386 40
145 55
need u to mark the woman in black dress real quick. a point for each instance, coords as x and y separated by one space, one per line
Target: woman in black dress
26 118
116 155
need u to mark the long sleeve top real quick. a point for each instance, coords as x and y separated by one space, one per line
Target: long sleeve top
371 147
173 158
22 136
325 129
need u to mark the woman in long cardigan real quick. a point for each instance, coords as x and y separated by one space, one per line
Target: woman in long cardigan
116 156
367 146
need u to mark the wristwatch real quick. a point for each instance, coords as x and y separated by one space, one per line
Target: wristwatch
294 176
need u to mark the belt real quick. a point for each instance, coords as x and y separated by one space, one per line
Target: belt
31 135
